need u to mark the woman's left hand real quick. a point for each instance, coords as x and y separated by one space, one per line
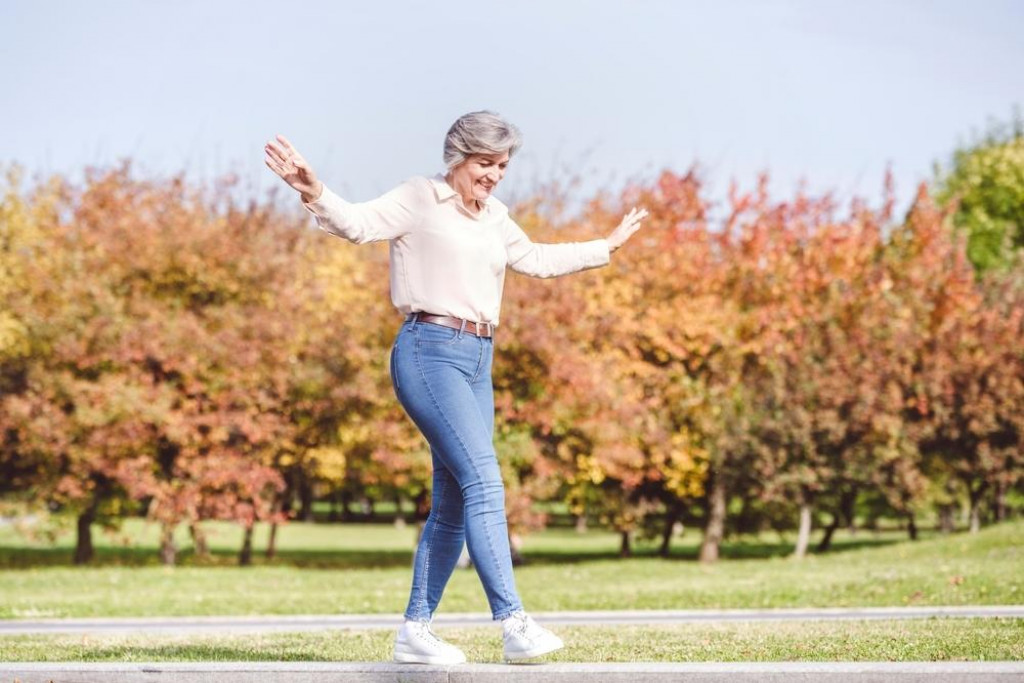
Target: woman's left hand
630 224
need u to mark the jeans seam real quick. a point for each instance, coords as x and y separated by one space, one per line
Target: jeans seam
422 597
490 546
479 363
442 504
433 532
472 463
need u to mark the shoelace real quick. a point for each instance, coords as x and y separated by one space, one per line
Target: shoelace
435 639
521 624
425 633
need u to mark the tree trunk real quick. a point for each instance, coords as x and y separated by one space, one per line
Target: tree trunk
624 548
346 499
333 513
946 523
975 495
581 523
844 512
826 540
398 510
305 499
1000 501
847 505
245 555
671 515
202 548
804 536
168 551
911 526
271 551
84 551
714 530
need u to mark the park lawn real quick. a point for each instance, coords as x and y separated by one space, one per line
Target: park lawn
849 641
351 569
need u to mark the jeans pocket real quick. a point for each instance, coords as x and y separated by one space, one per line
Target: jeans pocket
428 334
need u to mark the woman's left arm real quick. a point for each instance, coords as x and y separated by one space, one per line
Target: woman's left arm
551 260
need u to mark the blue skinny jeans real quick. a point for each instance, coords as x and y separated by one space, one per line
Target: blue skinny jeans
442 377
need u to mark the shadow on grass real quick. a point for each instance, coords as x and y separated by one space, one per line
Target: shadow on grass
739 549
28 558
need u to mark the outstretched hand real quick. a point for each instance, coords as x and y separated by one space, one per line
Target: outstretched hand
285 161
630 224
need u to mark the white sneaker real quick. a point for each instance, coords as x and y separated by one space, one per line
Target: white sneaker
524 638
415 643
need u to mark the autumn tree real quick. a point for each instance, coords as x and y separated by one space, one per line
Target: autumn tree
985 183
157 363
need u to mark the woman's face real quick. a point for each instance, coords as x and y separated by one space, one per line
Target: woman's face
477 176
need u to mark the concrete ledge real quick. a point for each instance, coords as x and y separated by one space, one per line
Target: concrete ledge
321 672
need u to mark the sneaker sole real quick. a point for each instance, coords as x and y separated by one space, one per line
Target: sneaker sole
530 654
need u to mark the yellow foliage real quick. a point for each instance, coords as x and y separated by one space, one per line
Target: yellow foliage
589 470
688 465
328 463
13 336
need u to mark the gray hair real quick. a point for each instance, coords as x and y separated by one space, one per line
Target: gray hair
480 132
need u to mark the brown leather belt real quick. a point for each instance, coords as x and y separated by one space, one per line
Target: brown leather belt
479 329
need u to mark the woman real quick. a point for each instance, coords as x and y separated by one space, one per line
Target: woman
450 243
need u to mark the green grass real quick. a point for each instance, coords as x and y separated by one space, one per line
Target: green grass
926 640
344 569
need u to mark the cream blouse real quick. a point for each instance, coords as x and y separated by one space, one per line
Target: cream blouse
444 259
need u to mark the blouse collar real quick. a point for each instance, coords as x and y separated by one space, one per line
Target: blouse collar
443 191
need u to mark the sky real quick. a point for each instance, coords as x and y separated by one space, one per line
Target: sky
825 93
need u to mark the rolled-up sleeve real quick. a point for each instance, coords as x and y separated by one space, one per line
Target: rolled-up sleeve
551 260
387 217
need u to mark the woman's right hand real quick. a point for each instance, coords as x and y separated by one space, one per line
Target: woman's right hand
285 161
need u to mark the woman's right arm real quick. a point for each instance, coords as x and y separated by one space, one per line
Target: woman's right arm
389 216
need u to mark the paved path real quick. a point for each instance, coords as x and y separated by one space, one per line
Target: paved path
266 624
322 672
